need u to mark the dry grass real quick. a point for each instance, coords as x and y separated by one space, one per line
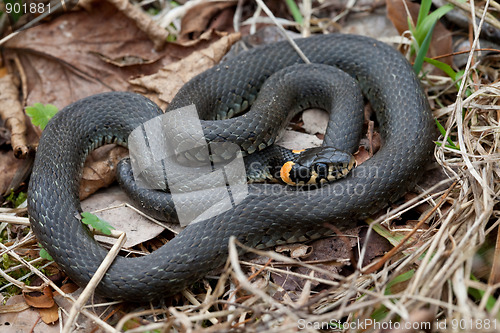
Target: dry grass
442 274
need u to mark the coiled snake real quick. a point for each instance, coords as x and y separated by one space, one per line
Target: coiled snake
267 215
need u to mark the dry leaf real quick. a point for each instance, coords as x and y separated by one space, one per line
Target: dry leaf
45 305
361 156
50 315
315 121
295 250
330 254
298 140
99 169
217 15
143 22
9 165
168 80
138 228
62 61
12 308
376 246
68 288
13 171
43 301
24 321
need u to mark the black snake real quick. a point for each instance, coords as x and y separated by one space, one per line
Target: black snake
268 215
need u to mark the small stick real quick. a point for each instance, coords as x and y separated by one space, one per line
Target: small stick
94 281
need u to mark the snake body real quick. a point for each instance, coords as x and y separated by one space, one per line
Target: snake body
269 214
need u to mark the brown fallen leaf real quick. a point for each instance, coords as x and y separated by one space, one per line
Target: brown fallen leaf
23 321
50 315
217 15
9 167
362 155
373 141
138 228
13 308
68 288
13 172
43 301
45 304
375 246
143 21
99 169
295 250
62 61
162 86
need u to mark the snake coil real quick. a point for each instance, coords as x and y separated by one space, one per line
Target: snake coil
268 215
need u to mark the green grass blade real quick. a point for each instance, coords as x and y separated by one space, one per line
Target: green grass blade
294 9
429 21
455 76
442 66
447 146
422 51
425 7
442 130
393 238
398 279
478 295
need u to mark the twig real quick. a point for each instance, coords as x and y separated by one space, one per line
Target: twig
94 281
283 31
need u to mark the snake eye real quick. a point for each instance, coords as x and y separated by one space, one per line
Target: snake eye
322 171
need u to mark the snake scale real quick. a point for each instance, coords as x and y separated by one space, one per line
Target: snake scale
268 215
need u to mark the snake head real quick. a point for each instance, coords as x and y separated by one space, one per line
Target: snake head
316 166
